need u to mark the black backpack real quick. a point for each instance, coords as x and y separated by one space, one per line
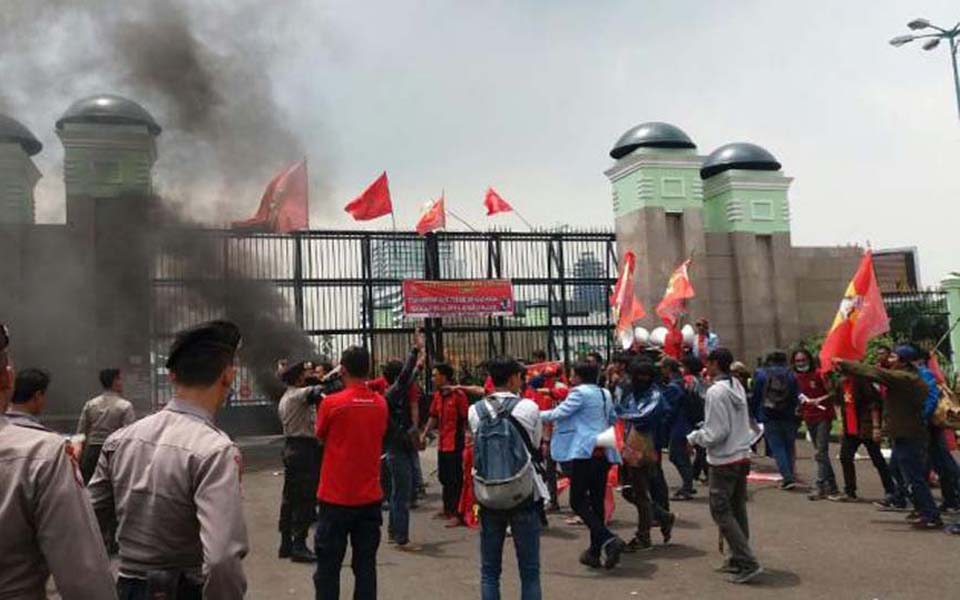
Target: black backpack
776 392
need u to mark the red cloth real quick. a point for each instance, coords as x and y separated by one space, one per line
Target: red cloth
812 385
626 306
488 385
495 204
673 343
679 290
373 202
433 218
468 506
284 204
851 421
378 385
450 411
351 424
860 318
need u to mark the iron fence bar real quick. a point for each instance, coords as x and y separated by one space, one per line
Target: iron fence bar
298 279
561 268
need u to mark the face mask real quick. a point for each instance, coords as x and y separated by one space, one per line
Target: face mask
802 368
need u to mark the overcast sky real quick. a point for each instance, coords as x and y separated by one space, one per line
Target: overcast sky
529 97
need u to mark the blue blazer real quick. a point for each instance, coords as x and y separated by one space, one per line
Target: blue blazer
585 412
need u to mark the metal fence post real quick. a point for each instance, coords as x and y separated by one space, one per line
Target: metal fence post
298 278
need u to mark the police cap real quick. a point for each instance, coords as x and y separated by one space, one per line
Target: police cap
213 337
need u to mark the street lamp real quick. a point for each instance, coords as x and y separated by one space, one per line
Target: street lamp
932 41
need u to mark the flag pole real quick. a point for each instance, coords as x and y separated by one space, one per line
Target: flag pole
519 216
457 217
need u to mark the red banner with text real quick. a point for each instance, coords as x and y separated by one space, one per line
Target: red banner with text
475 297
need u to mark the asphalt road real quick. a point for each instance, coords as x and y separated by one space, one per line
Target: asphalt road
810 550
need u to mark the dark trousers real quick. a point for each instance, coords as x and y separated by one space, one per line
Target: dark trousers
138 589
680 457
911 458
782 436
88 461
450 472
335 525
848 448
728 507
588 485
301 473
401 494
659 492
700 466
946 468
550 475
636 490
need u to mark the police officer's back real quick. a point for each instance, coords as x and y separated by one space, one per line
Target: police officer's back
172 481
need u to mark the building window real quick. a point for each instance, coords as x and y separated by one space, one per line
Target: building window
673 187
107 171
761 210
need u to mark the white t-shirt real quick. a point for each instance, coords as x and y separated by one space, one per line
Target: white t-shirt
527 413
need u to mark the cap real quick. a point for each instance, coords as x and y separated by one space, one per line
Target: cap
906 353
212 336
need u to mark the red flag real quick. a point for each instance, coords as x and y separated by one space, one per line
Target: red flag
434 217
679 290
495 204
373 202
626 306
861 317
284 204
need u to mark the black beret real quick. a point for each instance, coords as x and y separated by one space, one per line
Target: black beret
216 337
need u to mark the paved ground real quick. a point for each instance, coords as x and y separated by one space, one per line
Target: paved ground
811 550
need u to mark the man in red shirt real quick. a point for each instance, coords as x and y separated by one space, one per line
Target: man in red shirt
351 426
448 410
816 408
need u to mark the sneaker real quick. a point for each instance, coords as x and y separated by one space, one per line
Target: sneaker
788 485
842 497
666 527
913 517
409 547
888 505
928 524
817 495
947 509
637 545
747 575
728 568
590 560
611 552
681 495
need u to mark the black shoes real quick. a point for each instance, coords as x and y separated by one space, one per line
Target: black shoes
636 545
590 560
286 543
611 552
747 575
666 527
298 551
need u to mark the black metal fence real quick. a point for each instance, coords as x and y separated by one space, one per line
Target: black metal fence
344 288
920 317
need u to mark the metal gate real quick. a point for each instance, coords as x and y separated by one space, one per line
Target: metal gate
344 287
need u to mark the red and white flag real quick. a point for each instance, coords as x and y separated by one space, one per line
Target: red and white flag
495 204
284 206
373 202
626 306
679 290
860 318
433 217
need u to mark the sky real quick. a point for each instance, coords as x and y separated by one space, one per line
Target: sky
528 97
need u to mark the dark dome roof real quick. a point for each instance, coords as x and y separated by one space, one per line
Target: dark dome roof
651 135
108 108
12 130
738 155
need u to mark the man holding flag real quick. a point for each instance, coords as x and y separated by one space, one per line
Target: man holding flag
673 306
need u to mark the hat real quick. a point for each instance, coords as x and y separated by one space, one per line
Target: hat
906 353
213 337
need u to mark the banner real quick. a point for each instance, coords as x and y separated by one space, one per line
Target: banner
480 297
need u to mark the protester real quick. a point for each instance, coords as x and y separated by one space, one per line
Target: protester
640 404
903 415
696 391
727 434
816 409
776 397
489 421
448 410
678 401
100 417
171 481
546 387
940 459
705 340
586 412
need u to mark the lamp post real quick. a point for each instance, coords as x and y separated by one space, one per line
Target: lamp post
932 41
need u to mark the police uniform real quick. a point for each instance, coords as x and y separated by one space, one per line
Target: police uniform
47 524
172 482
100 417
25 419
301 470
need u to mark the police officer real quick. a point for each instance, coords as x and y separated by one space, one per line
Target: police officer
47 523
172 482
301 462
100 417
29 398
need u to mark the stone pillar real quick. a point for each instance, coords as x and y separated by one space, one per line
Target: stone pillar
18 176
952 287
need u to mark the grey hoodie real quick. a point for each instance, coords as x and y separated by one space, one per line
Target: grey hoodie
728 431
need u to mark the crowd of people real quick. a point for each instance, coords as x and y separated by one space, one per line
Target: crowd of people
163 492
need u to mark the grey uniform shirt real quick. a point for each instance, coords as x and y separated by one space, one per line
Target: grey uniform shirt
297 414
46 523
24 419
103 415
172 483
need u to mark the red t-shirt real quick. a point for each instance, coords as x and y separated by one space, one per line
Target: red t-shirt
812 385
673 343
351 424
450 411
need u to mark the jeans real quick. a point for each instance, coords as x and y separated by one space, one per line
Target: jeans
450 472
588 486
782 435
417 472
820 434
401 486
945 467
335 524
728 507
636 490
525 527
911 458
659 492
680 457
848 449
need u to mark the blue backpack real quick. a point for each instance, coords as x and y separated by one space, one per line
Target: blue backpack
503 459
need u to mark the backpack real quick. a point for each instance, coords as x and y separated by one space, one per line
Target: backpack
776 392
504 464
947 413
